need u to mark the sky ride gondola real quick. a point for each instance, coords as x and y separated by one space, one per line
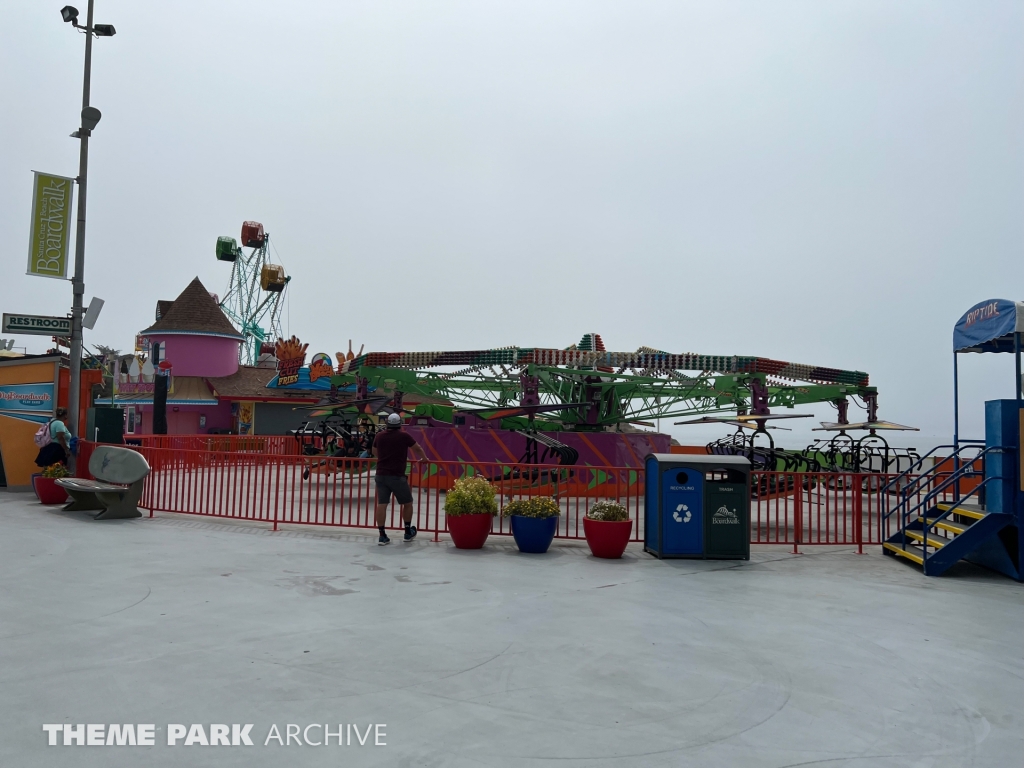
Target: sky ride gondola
256 290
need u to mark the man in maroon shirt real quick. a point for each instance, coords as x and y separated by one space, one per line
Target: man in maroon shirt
391 449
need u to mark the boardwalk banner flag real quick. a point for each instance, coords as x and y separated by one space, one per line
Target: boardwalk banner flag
51 225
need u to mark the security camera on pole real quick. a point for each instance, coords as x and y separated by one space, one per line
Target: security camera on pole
90 118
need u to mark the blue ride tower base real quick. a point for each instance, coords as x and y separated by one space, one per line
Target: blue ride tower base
1004 550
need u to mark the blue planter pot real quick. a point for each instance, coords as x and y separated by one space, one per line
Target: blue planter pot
534 534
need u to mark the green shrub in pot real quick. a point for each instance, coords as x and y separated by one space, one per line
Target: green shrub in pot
471 496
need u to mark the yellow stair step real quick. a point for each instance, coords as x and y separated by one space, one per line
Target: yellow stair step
946 525
934 540
967 510
912 552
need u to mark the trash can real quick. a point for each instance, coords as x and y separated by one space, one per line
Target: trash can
697 506
727 511
104 425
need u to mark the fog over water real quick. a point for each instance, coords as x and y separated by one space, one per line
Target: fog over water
824 183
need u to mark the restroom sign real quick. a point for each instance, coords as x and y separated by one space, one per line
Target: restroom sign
38 325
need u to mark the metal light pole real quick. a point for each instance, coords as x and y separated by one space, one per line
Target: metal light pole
90 117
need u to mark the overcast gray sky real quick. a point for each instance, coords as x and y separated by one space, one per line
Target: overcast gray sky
827 183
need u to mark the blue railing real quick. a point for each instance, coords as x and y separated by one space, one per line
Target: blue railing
956 450
933 520
913 487
911 484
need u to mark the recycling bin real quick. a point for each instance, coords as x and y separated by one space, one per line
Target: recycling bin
697 506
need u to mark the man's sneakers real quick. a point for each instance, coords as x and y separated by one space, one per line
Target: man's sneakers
410 534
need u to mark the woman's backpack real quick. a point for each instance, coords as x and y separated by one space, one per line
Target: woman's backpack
42 437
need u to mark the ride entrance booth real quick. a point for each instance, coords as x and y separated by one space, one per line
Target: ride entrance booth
996 325
968 505
697 506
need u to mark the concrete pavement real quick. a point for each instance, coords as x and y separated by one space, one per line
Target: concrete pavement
494 658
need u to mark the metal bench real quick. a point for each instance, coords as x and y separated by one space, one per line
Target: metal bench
120 474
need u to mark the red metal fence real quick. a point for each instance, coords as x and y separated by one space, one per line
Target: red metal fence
810 508
244 483
275 445
303 490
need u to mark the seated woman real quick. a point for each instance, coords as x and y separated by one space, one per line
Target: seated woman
59 447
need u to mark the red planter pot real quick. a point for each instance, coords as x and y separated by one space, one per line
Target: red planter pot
607 538
469 531
47 490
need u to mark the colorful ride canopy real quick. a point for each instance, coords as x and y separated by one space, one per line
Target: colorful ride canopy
652 361
989 326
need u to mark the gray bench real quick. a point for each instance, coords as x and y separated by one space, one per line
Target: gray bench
120 474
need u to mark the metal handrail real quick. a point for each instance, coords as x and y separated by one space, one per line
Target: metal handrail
925 526
966 471
906 511
930 496
954 478
920 461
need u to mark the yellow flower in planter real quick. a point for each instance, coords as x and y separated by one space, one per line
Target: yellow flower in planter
55 471
535 506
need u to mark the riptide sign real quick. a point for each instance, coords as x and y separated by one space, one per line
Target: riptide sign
50 232
37 325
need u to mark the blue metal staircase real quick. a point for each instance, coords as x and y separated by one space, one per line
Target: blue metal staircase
935 533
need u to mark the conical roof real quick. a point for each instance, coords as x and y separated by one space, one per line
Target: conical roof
194 311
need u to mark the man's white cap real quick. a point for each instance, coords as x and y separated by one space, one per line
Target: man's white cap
394 420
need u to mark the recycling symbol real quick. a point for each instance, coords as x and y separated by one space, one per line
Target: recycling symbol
682 514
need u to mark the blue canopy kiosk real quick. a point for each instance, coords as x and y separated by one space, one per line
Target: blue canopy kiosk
996 325
982 525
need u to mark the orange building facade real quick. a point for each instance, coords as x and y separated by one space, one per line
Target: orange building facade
31 390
